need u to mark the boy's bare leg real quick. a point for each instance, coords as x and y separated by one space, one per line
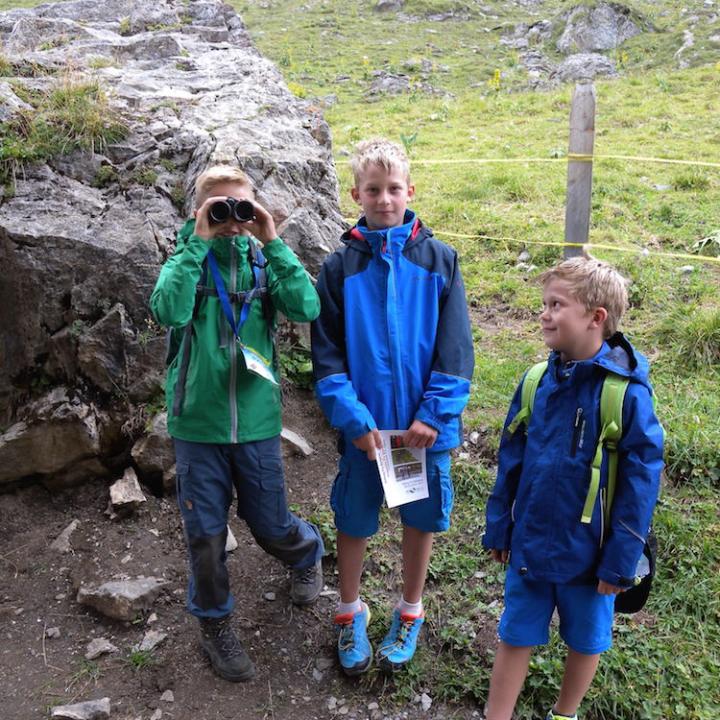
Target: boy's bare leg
416 549
508 675
350 556
579 673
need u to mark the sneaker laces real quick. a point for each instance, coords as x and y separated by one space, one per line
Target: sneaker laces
404 628
306 576
347 636
227 639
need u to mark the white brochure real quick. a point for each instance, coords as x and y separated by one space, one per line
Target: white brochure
402 470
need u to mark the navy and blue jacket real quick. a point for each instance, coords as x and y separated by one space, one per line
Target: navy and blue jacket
543 475
392 343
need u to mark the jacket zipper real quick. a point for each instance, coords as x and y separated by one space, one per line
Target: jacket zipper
394 344
576 431
512 511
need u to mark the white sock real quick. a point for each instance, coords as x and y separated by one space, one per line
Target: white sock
407 608
350 608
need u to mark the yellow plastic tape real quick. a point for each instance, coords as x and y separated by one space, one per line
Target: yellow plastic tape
574 157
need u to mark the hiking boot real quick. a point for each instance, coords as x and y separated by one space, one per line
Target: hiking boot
554 716
354 649
226 653
306 584
398 646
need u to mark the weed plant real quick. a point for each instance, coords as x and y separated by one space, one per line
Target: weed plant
74 114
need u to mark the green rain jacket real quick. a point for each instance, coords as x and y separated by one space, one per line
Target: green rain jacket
224 402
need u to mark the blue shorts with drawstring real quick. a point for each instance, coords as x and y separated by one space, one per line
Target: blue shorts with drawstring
586 616
357 495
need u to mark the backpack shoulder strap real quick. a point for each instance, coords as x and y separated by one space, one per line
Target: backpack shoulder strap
611 429
527 395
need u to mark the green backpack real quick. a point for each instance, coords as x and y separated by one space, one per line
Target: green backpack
612 397
611 405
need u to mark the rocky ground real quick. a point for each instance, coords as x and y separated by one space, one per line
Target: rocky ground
45 631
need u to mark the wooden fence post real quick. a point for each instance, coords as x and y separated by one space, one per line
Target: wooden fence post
579 177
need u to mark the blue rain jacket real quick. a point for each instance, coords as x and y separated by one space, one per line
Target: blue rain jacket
392 343
544 475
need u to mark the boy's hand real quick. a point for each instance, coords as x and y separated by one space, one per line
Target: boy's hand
204 229
420 435
605 588
369 443
262 226
500 556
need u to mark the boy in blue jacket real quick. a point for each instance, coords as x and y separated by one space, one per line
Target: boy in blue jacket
392 350
557 561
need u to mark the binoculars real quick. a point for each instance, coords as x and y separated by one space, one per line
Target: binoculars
231 209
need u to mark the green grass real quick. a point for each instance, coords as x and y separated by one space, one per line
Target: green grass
73 114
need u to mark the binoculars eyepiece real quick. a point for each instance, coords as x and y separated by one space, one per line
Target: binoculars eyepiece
231 209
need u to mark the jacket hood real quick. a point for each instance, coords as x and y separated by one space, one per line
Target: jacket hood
364 240
617 355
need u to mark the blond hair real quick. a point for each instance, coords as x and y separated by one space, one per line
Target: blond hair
379 151
594 284
217 175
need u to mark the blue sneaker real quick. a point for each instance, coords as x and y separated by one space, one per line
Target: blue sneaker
398 646
354 649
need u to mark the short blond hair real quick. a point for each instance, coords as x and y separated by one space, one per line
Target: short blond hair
379 151
594 284
217 175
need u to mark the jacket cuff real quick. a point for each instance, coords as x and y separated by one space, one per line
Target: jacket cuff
614 579
429 419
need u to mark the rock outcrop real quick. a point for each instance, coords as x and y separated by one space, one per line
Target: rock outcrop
83 236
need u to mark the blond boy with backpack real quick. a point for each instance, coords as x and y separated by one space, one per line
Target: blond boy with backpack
578 479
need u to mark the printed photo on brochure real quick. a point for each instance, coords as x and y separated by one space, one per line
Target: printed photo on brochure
402 469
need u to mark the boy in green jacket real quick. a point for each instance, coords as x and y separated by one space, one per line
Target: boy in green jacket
223 398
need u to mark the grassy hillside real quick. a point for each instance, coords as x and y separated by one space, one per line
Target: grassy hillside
666 663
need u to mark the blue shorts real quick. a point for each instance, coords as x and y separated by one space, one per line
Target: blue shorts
357 495
586 616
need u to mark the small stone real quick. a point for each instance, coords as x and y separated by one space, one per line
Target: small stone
53 632
152 618
332 703
426 702
230 543
98 647
168 696
317 675
373 706
150 641
687 269
60 596
343 710
126 559
90 710
463 456
270 596
61 544
156 715
324 663
524 256
474 437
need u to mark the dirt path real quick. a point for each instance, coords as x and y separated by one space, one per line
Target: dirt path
292 648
